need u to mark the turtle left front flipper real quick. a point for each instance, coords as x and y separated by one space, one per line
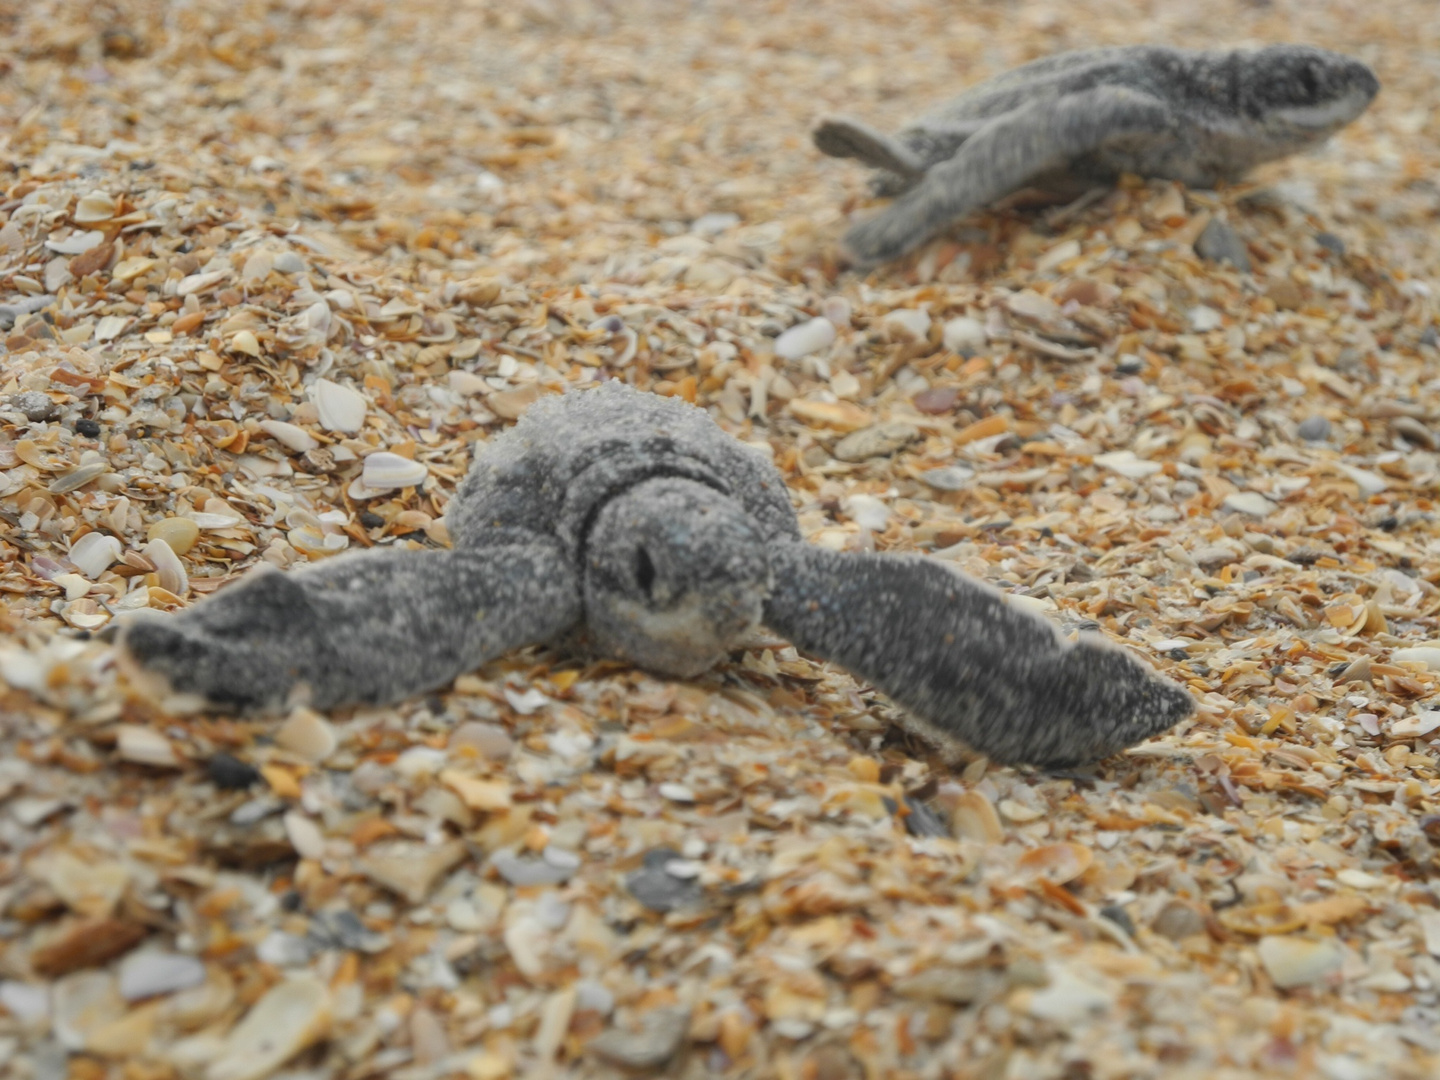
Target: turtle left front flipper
973 666
368 628
1007 154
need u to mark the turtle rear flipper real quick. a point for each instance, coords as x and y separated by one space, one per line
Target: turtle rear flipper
839 136
362 629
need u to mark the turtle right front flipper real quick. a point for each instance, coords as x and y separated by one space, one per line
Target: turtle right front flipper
368 628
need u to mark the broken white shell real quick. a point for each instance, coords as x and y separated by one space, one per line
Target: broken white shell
150 972
307 734
74 585
257 267
1369 483
385 471
111 327
76 243
868 512
147 747
1127 464
287 262
81 1004
290 436
291 1016
97 206
168 566
317 317
949 477
1427 654
1296 961
907 324
94 553
304 835
965 335
1249 502
198 283
1417 726
341 408
807 338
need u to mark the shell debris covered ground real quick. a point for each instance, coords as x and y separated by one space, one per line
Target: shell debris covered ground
248 249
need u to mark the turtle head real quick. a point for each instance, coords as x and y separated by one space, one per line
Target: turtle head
675 573
1306 92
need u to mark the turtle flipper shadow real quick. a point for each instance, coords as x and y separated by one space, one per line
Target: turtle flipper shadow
368 628
971 666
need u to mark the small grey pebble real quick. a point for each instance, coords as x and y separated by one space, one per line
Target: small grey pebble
561 858
49 1061
287 262
660 891
1221 243
1330 242
35 405
660 1037
284 950
147 973
948 477
552 912
1178 920
922 821
230 773
343 929
255 811
89 428
522 871
1130 364
1120 917
1214 555
1315 429
1430 336
878 440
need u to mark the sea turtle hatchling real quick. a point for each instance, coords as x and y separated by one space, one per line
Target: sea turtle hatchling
1079 120
632 526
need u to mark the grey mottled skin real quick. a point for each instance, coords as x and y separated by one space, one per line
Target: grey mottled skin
1081 119
632 526
964 661
347 630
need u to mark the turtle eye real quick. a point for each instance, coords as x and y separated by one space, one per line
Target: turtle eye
644 571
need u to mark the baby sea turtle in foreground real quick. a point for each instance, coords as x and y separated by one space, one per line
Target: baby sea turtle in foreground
1079 120
633 527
